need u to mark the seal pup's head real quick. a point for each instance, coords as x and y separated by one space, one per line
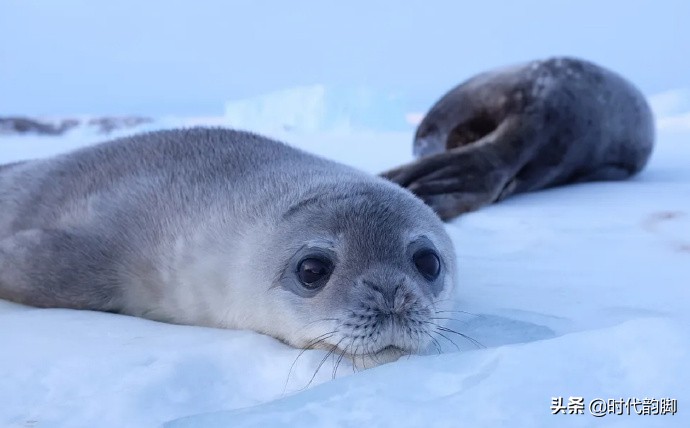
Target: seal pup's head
360 269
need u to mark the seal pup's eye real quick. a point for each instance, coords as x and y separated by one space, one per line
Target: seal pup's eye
313 272
427 263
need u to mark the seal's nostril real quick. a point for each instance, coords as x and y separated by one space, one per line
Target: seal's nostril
387 297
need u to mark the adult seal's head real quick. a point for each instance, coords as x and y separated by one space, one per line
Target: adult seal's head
228 229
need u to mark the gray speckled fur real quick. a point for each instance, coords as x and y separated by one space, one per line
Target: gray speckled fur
524 128
198 226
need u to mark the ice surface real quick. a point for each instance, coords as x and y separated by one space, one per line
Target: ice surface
575 291
318 108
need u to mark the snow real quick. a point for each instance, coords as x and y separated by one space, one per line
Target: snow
576 291
673 110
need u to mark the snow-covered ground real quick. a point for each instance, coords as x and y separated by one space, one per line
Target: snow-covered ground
580 291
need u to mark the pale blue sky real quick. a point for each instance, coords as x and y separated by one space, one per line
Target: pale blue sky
188 57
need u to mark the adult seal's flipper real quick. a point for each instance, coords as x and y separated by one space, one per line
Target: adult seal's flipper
468 177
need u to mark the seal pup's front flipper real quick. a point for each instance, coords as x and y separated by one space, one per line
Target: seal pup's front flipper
57 268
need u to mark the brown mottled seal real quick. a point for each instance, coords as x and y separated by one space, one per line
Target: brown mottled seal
525 128
227 229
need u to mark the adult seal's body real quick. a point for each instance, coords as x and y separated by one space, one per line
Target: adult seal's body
524 128
227 229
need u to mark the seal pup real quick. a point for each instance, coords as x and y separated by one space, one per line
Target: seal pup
524 128
229 229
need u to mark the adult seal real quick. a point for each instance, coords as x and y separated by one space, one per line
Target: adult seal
524 128
227 229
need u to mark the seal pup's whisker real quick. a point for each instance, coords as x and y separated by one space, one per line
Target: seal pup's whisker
447 338
474 341
354 359
459 312
446 319
464 336
432 307
328 354
307 347
435 342
340 358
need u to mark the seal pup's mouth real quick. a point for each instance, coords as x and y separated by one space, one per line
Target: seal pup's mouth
387 354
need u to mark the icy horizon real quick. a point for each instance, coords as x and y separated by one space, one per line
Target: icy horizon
345 109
